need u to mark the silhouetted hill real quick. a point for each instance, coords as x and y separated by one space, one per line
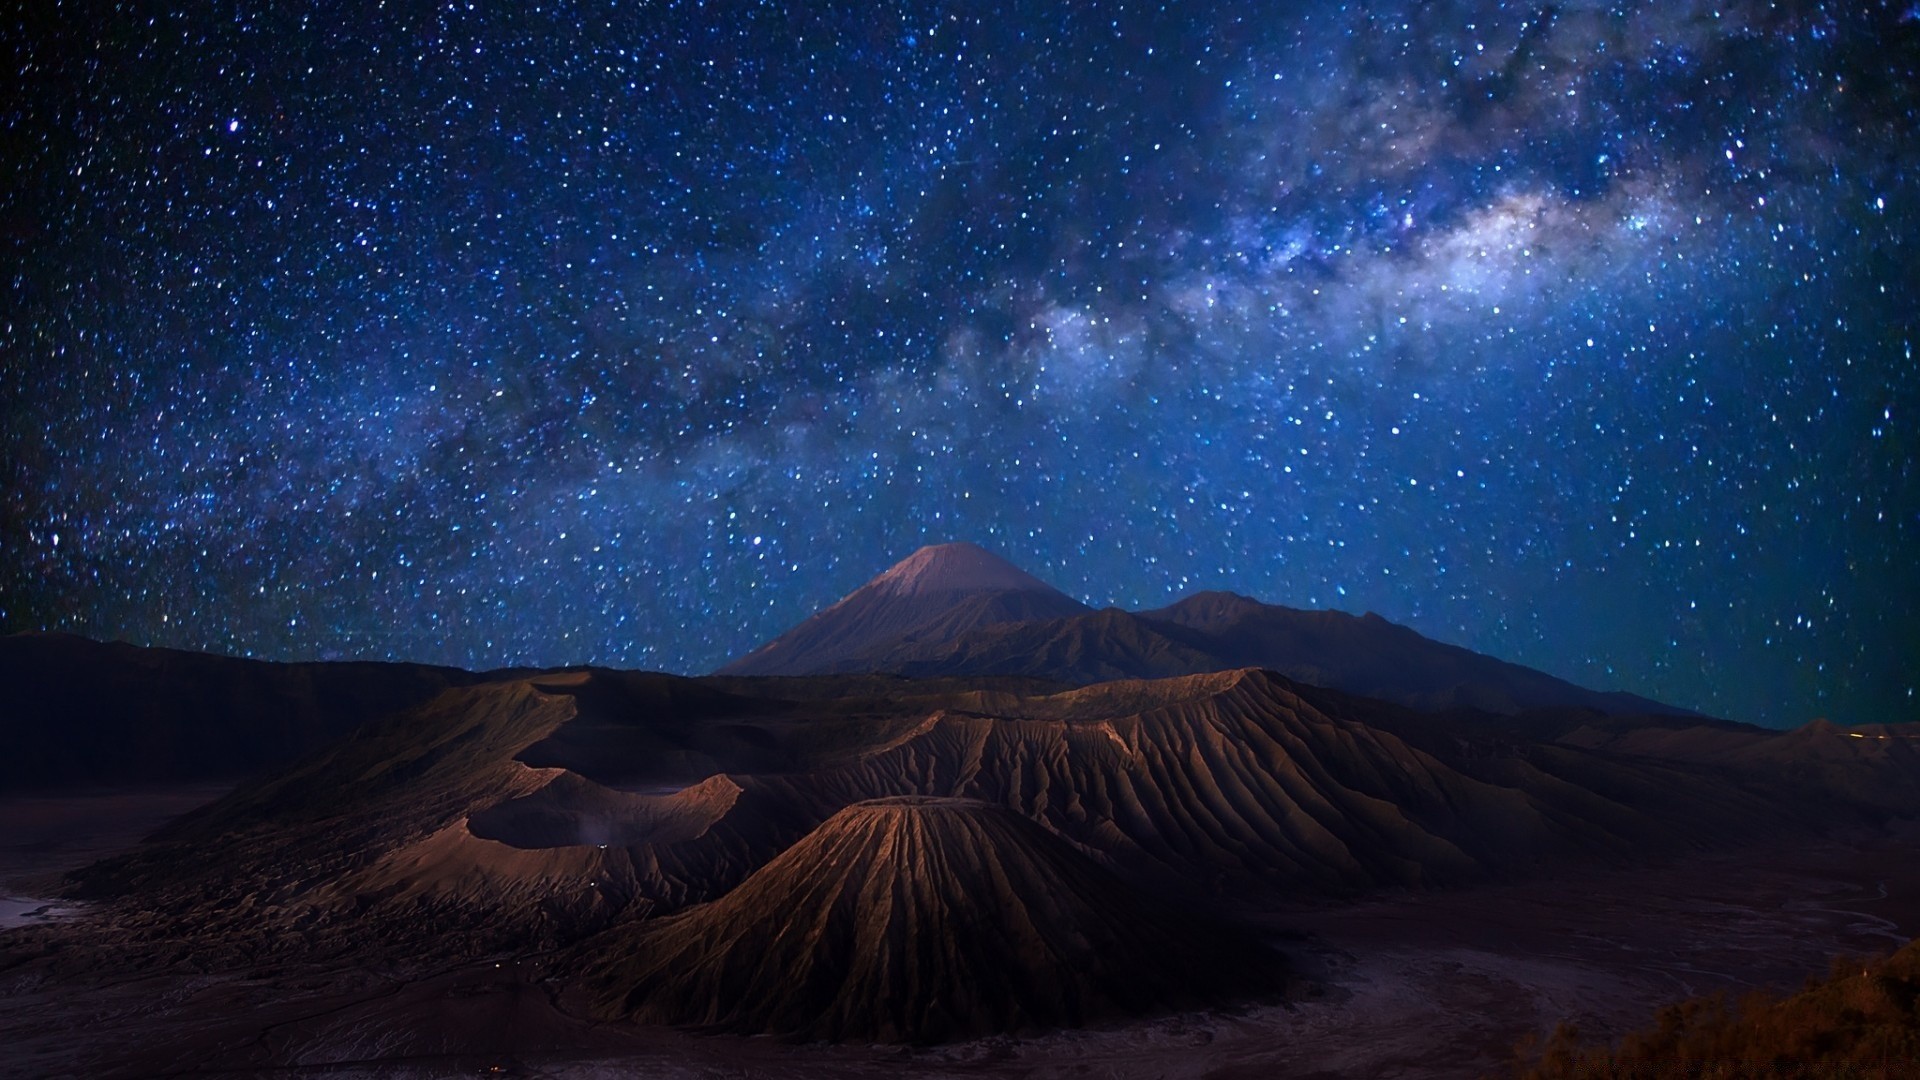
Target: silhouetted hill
1370 656
87 713
914 919
955 610
1364 655
1870 764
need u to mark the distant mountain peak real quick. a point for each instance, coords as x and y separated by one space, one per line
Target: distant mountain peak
1216 601
954 568
939 592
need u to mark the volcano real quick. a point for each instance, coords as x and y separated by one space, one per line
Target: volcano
936 594
867 858
916 919
955 610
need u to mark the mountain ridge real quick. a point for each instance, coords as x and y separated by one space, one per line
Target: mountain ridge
955 610
574 811
135 714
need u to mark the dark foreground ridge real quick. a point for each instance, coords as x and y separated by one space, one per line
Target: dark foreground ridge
919 919
84 713
1862 1021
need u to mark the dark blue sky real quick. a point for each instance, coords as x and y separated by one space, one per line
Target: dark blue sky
489 334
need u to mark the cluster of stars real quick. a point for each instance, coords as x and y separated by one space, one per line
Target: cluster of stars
633 334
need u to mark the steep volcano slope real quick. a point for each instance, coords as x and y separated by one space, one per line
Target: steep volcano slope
431 831
922 920
87 713
537 810
935 594
1240 782
1098 647
1365 655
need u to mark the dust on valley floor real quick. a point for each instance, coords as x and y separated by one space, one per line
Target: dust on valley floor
44 836
1432 985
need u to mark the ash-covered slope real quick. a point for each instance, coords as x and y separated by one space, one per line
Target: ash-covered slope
499 815
923 920
935 594
1100 646
88 713
1245 784
1364 654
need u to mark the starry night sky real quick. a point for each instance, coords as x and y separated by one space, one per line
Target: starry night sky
487 334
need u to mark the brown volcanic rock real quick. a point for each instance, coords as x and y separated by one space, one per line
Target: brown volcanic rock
535 811
935 594
923 920
431 830
1242 783
507 814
